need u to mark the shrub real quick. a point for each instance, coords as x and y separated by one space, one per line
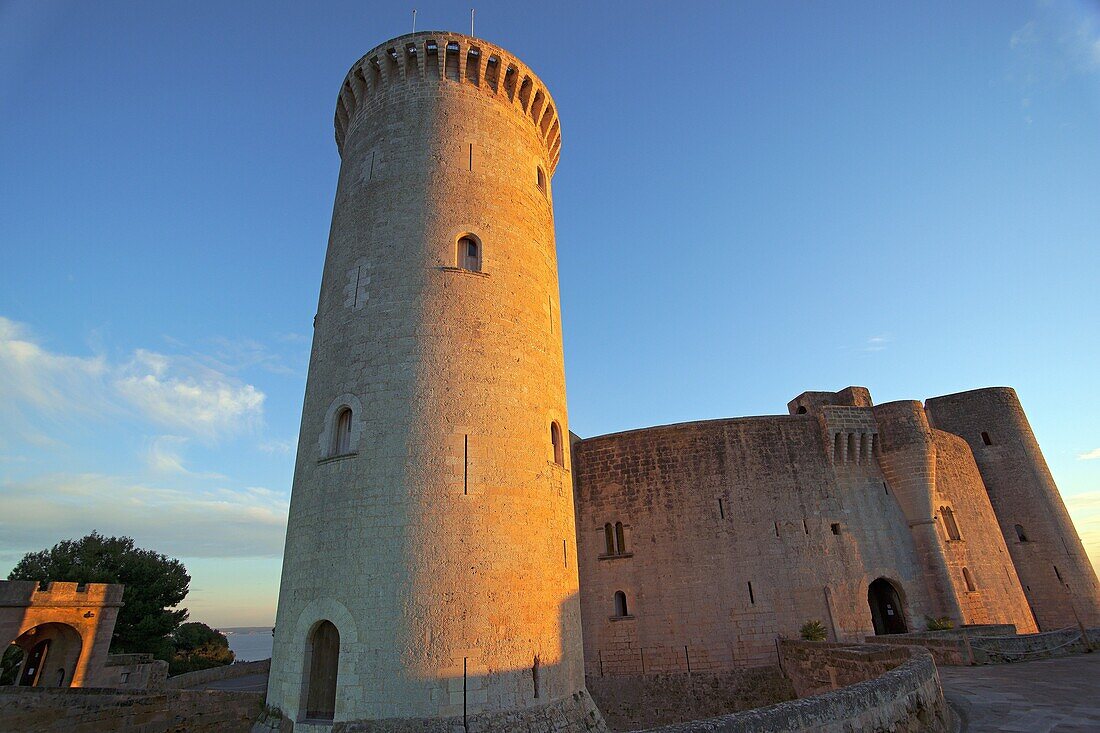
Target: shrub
943 623
812 631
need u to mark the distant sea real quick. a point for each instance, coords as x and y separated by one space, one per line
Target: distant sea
249 643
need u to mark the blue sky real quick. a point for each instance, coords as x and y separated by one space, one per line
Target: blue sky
754 199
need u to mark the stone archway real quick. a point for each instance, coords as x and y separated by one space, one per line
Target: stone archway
887 607
51 655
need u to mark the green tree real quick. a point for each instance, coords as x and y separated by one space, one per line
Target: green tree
155 585
197 646
813 631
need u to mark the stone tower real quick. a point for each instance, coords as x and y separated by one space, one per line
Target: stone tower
1058 579
430 575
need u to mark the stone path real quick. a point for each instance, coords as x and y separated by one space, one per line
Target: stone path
248 683
1047 696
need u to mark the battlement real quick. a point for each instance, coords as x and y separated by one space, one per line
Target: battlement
441 57
57 593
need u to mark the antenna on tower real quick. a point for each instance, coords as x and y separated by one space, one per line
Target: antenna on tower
471 21
414 20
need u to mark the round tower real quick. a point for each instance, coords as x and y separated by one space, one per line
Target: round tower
430 575
1059 582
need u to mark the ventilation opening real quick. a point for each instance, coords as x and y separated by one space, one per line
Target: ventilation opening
986 439
835 527
431 60
492 72
473 59
452 61
1021 535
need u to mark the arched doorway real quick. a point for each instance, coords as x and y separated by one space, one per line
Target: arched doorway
52 654
11 664
887 612
323 660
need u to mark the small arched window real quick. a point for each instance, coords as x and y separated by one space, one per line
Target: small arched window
986 439
949 524
540 178
620 604
969 580
555 440
609 538
801 410
469 253
620 539
341 434
1021 535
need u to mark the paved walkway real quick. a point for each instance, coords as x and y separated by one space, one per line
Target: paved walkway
1046 696
248 683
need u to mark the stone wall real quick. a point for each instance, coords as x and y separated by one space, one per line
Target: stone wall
905 699
133 672
213 674
94 710
641 701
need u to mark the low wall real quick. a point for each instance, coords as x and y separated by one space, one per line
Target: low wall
814 667
905 699
982 645
630 702
189 680
133 672
93 710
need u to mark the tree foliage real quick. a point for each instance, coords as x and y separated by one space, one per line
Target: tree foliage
155 585
813 631
197 646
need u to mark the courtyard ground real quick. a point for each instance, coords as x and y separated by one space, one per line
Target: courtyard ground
1047 696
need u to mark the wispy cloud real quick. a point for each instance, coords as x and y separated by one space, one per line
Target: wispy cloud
1091 455
876 343
165 456
172 391
1084 508
193 523
281 447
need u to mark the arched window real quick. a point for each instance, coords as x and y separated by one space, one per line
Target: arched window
323 654
469 253
609 538
555 440
540 178
986 439
341 433
801 410
1021 535
969 580
949 524
620 539
620 604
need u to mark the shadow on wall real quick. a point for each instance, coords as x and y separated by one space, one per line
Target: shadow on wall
550 688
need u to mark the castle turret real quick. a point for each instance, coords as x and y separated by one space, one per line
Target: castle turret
907 455
430 571
1050 560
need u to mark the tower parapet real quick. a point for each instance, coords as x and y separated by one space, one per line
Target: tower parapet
437 57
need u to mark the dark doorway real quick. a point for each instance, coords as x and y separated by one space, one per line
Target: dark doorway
324 662
33 666
886 609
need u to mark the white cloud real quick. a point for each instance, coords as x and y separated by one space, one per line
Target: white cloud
165 457
876 343
173 391
1091 455
283 447
194 523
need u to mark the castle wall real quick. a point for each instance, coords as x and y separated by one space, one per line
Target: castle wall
441 542
709 508
1059 582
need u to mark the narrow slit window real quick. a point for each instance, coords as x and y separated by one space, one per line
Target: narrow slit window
555 440
609 539
752 596
969 580
949 523
341 434
620 539
986 439
620 604
1021 535
469 253
540 178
